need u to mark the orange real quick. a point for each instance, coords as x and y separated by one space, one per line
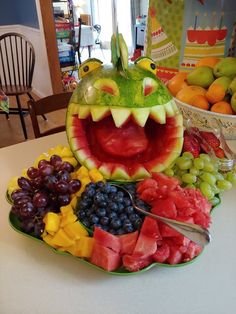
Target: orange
177 82
200 101
187 93
222 107
208 61
215 93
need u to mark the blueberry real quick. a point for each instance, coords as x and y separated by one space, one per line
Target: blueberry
127 201
91 185
100 184
105 228
101 212
106 189
82 214
133 217
123 217
112 215
113 189
128 228
97 225
120 194
113 206
118 199
129 210
86 222
115 223
103 204
104 221
93 219
99 198
90 192
120 208
120 231
89 211
126 221
112 231
84 204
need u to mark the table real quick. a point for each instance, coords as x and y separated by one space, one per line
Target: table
34 280
87 37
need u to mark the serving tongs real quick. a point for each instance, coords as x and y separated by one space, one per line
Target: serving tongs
225 164
193 232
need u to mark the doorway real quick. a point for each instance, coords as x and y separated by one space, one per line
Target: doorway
111 14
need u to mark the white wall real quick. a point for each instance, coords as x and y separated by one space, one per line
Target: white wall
41 79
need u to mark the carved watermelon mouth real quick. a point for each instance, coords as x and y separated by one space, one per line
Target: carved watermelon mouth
125 147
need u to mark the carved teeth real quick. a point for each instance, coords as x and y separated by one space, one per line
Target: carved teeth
171 108
84 111
158 114
120 115
99 112
141 115
73 109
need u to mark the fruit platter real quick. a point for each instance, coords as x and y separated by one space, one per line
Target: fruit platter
124 132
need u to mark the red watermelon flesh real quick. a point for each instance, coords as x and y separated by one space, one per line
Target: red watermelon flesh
150 228
135 263
162 253
128 242
106 239
145 246
105 257
130 145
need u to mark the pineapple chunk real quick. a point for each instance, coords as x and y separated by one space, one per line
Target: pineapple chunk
68 219
85 247
82 172
61 239
66 209
52 222
95 175
48 239
75 230
66 152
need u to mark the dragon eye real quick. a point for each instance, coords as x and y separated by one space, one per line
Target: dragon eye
146 64
89 66
107 86
149 86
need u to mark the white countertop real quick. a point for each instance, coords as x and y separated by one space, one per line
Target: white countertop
34 280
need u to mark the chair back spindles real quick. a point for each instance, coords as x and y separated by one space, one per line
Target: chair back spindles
17 60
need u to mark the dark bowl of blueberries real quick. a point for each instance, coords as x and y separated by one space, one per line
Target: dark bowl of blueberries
105 206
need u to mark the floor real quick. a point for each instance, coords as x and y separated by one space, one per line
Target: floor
11 131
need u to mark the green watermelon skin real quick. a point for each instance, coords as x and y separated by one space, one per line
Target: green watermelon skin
130 89
135 96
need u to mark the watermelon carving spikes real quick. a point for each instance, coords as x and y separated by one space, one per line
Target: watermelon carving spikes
121 119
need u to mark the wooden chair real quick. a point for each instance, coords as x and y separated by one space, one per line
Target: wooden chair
17 60
46 105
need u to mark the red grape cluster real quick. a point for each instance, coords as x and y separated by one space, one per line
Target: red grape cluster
47 189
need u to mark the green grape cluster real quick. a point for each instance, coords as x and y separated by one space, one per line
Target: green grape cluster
202 172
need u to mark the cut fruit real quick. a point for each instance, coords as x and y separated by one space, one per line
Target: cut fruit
120 172
141 115
120 116
158 114
84 111
107 86
99 112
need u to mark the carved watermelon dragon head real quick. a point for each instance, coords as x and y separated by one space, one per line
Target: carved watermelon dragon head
121 119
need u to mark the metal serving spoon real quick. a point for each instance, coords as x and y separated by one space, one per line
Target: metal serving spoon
193 232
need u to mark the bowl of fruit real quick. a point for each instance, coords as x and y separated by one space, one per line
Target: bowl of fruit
208 92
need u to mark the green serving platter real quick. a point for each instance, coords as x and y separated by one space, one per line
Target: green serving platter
14 223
